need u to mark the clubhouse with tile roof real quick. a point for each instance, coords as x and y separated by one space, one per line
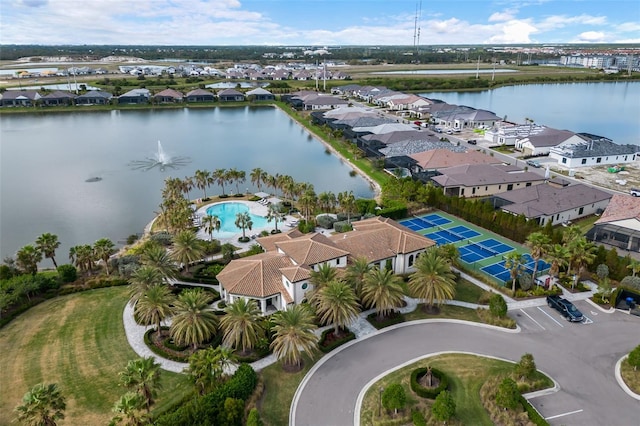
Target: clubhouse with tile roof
280 276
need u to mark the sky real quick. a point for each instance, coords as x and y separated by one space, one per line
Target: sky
318 22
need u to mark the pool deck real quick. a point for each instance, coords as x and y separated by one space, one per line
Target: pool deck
255 208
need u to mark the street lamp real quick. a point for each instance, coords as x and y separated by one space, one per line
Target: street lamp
380 402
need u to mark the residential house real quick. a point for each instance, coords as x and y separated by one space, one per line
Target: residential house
437 159
59 97
552 204
260 94
20 98
483 180
200 95
619 225
94 97
135 96
317 101
280 276
230 95
168 96
592 150
540 143
462 117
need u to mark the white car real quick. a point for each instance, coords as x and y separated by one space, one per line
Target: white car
635 192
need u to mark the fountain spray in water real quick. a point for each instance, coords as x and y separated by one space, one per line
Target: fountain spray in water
161 160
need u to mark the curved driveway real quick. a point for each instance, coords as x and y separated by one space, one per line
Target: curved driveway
581 358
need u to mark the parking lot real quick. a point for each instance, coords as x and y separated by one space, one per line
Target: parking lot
545 319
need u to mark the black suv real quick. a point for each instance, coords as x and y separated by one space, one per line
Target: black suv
566 308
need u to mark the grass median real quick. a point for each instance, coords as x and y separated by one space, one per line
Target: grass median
78 342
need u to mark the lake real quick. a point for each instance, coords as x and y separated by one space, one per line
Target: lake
611 110
46 159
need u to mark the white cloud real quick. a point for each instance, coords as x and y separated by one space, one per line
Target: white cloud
628 27
560 21
506 15
592 36
515 31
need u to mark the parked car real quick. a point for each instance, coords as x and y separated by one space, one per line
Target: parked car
635 192
533 163
566 308
472 142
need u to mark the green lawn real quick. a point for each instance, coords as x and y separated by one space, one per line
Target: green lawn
78 342
630 377
469 292
466 373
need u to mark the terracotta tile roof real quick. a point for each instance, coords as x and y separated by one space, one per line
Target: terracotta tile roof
380 238
310 249
296 273
269 243
441 158
621 207
256 276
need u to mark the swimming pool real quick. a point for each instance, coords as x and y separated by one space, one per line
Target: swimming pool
227 212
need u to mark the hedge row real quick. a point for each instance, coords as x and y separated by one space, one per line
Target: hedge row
397 318
326 348
209 409
427 392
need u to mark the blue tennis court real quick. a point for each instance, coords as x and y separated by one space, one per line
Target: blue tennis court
502 274
425 222
484 249
452 235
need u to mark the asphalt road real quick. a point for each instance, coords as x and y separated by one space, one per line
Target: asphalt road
580 357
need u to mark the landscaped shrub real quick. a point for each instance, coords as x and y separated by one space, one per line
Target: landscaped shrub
67 273
508 395
326 221
394 210
418 418
498 306
444 407
342 226
163 238
390 319
634 358
532 413
631 282
424 392
209 409
394 397
327 347
366 206
306 227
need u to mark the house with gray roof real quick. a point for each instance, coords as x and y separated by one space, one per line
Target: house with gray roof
94 97
230 95
593 150
483 180
57 98
200 95
461 117
19 97
553 204
260 94
540 143
135 96
319 102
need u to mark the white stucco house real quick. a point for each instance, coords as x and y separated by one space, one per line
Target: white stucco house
280 276
592 150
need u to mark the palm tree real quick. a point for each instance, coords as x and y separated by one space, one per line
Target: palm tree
514 262
293 334
237 176
221 177
211 224
48 244
42 405
187 185
193 321
327 201
634 265
243 220
103 249
241 325
320 277
157 257
187 248
258 177
347 203
274 214
207 367
356 273
582 253
308 202
155 306
203 179
558 256
382 290
449 252
84 257
338 305
128 410
141 280
27 259
538 243
433 280
142 375
271 181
